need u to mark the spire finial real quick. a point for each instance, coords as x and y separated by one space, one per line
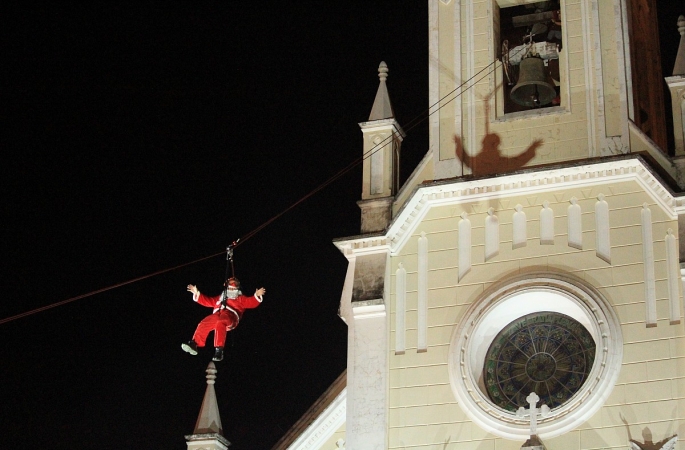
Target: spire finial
679 66
382 109
383 71
209 420
211 373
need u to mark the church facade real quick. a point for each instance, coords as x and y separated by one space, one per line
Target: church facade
523 289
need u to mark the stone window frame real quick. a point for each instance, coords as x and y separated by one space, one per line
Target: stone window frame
509 300
497 81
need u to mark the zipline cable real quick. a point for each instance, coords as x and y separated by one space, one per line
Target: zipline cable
109 288
410 125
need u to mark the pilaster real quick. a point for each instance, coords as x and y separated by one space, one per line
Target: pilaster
364 309
676 85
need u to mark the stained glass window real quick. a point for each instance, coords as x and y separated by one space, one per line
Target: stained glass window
548 353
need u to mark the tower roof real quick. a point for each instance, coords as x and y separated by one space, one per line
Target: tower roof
382 109
209 420
679 67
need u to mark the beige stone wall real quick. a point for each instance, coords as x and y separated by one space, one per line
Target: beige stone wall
423 172
650 392
330 444
592 119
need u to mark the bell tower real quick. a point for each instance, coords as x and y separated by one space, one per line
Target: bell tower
382 142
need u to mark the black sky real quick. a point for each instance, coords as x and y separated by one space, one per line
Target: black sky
141 137
136 138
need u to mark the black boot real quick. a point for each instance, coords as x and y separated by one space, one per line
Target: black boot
190 347
218 354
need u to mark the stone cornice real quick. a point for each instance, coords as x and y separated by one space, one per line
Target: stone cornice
374 125
456 191
367 309
207 437
321 429
467 190
675 80
361 245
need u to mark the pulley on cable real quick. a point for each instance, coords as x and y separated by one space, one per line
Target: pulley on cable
229 263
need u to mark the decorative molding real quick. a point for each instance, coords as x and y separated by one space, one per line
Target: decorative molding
575 225
206 441
434 82
401 307
620 18
676 86
470 65
648 262
546 224
464 245
462 191
457 68
602 229
362 245
682 279
377 161
327 423
587 7
672 277
368 309
491 235
422 325
520 234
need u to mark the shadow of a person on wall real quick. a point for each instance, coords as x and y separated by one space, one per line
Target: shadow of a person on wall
490 159
648 444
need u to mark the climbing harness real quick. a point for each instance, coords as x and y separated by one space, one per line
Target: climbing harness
229 264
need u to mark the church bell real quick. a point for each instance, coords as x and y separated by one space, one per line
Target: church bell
534 86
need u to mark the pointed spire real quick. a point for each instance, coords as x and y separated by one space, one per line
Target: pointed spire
679 67
208 434
382 109
209 420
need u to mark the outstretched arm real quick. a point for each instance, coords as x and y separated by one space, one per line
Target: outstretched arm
202 299
252 301
461 154
529 154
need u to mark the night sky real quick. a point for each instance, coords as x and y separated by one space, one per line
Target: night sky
139 138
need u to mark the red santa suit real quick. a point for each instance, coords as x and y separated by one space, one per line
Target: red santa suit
224 318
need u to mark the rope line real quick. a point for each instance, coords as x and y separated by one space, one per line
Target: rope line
99 291
420 118
410 125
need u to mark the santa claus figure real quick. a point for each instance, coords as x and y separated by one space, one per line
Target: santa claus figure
228 310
